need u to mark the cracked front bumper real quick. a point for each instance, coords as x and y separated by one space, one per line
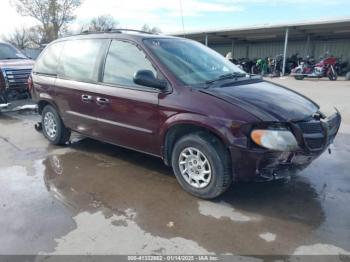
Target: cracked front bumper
263 164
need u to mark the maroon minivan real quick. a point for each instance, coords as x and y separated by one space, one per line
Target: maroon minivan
181 101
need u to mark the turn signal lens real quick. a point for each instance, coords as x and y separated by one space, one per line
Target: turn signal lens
279 140
257 135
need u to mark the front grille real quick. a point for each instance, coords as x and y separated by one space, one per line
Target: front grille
17 78
313 133
318 134
315 143
311 127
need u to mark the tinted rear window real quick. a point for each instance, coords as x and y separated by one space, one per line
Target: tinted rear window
47 62
80 59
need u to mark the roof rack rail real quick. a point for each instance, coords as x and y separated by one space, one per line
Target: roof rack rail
116 30
128 30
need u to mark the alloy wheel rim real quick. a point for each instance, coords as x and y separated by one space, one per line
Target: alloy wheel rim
50 125
195 167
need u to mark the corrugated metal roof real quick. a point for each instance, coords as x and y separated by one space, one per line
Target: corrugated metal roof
322 29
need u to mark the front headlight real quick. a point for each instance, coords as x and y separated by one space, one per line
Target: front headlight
280 140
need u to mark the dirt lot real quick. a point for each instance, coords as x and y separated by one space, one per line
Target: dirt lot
94 198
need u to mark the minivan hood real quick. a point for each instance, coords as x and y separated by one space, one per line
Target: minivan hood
266 100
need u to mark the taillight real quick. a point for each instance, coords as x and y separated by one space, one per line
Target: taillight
30 84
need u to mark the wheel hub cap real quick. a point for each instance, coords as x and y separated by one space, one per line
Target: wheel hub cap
195 167
50 125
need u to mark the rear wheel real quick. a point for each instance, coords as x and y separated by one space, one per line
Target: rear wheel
201 165
299 77
255 70
53 127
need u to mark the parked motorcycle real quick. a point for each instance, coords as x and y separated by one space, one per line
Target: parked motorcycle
325 68
246 64
260 66
293 62
243 63
341 67
276 65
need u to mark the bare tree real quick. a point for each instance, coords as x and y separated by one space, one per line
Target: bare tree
102 23
19 38
153 30
37 36
53 15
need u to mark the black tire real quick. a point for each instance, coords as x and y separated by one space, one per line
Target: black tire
347 76
3 99
333 76
299 77
218 158
62 134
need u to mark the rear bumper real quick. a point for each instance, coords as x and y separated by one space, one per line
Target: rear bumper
262 164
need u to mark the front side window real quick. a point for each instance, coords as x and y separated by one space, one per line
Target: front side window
10 52
123 61
191 62
80 59
47 62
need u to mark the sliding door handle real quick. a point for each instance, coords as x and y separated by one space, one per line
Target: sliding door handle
102 101
86 98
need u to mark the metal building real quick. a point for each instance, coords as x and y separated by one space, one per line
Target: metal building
306 38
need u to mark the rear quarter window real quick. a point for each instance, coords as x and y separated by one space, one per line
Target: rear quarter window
80 59
47 63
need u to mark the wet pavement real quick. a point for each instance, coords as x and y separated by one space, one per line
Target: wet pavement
94 198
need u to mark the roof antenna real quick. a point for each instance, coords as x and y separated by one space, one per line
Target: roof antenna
182 18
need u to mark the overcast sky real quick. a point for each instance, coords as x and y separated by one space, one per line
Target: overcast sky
198 14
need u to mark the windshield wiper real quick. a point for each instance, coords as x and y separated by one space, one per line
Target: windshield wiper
226 76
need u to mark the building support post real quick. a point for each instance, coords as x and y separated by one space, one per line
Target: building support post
233 48
206 39
285 52
308 49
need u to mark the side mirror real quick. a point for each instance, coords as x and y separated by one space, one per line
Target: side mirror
147 78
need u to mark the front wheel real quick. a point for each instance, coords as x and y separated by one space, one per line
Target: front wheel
347 76
53 127
3 99
201 165
332 75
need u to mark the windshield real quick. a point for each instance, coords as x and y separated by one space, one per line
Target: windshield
9 52
191 62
